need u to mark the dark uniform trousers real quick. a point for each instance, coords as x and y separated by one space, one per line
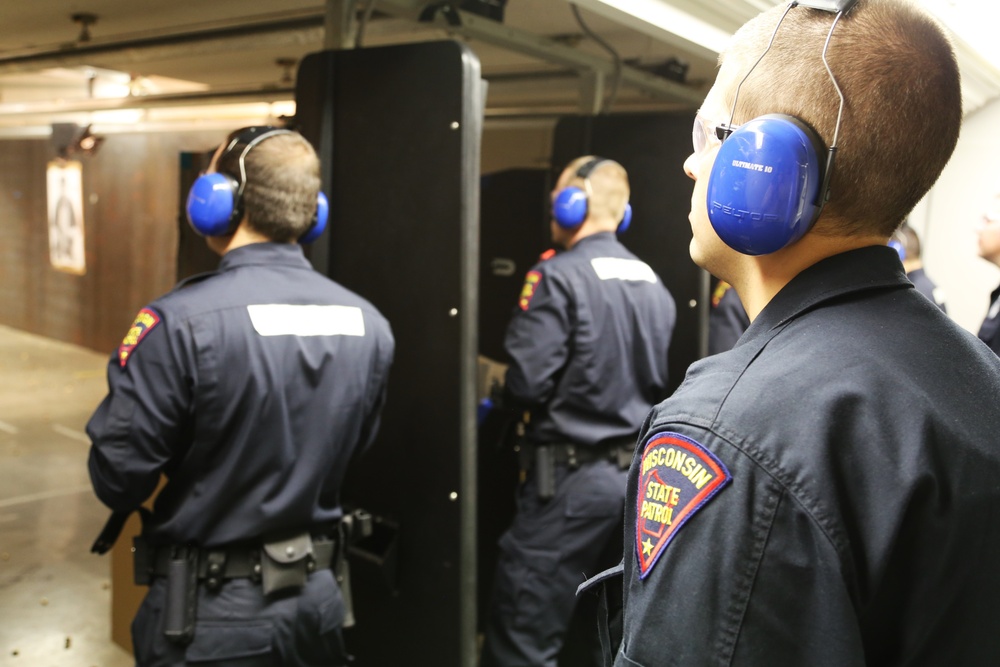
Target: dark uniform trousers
550 549
237 626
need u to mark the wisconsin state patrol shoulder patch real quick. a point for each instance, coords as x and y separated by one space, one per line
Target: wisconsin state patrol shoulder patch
530 285
678 476
144 323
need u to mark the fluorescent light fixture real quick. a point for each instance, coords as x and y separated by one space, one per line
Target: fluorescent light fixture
972 24
660 20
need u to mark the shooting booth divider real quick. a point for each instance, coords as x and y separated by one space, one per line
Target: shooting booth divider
398 130
514 231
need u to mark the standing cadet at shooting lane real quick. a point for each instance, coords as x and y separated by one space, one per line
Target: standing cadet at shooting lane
249 388
588 347
825 493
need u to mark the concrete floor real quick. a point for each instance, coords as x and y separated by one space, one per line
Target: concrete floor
54 594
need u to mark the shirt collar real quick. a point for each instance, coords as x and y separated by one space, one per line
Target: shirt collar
287 254
869 268
596 238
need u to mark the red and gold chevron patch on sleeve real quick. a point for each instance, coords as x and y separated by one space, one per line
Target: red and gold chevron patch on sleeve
678 476
144 323
530 285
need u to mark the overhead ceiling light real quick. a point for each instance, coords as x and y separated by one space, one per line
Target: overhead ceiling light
88 143
69 140
663 22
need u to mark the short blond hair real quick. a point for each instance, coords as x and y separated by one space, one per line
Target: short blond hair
902 100
609 187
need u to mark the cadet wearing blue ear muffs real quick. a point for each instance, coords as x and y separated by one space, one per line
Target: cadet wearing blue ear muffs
252 387
570 206
824 493
588 345
215 202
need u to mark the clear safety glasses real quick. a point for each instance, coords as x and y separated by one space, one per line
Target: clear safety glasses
705 135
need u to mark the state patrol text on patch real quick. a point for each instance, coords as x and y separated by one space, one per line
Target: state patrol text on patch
677 477
530 285
144 323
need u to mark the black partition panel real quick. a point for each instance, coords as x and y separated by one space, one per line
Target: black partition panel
652 148
514 231
398 130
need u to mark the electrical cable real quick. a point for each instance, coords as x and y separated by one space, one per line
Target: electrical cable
612 96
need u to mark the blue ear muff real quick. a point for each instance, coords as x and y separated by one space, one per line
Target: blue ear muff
210 204
626 220
899 248
319 222
763 192
570 208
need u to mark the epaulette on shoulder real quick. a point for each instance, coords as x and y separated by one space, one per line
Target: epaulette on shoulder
548 254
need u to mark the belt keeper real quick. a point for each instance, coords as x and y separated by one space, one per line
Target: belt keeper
571 459
255 575
215 570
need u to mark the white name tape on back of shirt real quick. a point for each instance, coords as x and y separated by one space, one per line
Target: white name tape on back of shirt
278 319
617 268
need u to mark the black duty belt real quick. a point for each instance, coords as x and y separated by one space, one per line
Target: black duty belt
570 454
229 562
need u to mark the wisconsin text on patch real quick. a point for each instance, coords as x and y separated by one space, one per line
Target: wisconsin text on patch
144 323
677 477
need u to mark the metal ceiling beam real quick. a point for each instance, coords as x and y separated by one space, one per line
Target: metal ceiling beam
31 110
299 31
340 24
475 27
309 29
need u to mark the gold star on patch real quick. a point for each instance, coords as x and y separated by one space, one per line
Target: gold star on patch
647 547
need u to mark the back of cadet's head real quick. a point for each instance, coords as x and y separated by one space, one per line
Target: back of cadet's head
903 105
282 184
608 184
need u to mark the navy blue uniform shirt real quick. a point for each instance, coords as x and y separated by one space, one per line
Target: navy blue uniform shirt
249 388
827 493
588 343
